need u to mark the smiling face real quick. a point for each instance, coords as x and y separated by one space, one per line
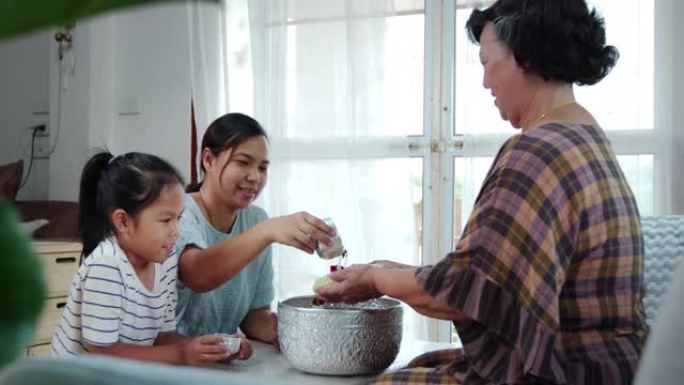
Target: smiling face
240 172
151 234
508 82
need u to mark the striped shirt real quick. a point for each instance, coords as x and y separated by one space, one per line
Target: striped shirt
108 303
549 270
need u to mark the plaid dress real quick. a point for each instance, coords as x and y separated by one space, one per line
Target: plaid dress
549 269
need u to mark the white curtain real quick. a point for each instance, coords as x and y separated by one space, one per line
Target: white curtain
316 75
337 84
208 80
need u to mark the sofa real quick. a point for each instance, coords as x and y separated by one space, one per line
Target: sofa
42 219
661 361
61 216
664 249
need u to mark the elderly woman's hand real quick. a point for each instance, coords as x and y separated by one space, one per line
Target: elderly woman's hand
352 284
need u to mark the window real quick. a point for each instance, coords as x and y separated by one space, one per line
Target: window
622 103
378 119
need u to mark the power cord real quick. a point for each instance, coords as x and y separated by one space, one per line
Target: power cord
36 129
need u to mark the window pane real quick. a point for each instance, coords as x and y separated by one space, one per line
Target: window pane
303 10
374 204
469 173
639 171
624 99
621 101
474 112
356 76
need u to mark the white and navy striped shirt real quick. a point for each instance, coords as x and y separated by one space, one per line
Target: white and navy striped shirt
108 303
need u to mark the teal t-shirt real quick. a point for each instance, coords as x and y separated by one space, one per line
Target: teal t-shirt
222 310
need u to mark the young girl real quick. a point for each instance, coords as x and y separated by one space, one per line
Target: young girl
122 300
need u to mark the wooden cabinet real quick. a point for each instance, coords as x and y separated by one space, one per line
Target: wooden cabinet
60 262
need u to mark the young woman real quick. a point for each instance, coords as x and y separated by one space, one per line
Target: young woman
122 300
226 276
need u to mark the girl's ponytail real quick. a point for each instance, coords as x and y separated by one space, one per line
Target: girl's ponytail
92 220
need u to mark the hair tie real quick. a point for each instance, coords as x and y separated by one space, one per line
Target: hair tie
116 157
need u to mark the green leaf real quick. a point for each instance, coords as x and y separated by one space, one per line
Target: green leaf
20 16
22 286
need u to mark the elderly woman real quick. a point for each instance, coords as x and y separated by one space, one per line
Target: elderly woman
545 285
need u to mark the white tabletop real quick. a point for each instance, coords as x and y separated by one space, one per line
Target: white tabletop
269 366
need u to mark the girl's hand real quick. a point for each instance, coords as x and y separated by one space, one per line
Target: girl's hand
352 284
245 349
203 350
274 330
301 230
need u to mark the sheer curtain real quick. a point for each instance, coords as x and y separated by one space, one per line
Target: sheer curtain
323 79
206 37
341 84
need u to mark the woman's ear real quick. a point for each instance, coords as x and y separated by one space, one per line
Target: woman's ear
207 159
121 221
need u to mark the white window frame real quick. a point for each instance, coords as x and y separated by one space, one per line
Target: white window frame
438 146
438 212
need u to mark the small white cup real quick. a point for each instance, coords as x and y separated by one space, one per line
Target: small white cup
232 343
336 249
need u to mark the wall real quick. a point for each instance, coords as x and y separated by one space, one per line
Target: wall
23 90
139 56
130 91
152 68
69 106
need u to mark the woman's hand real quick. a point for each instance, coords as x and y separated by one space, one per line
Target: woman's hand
301 230
261 324
352 284
390 264
203 350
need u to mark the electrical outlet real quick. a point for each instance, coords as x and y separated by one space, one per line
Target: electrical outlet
45 132
41 147
41 120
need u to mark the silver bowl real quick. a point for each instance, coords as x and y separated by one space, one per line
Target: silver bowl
339 339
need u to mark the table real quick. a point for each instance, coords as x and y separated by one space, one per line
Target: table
269 366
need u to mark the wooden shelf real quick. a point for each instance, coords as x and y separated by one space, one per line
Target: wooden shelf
59 260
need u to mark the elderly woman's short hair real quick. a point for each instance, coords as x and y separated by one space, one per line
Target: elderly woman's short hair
558 40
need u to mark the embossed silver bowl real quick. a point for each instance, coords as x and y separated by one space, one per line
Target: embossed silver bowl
340 339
